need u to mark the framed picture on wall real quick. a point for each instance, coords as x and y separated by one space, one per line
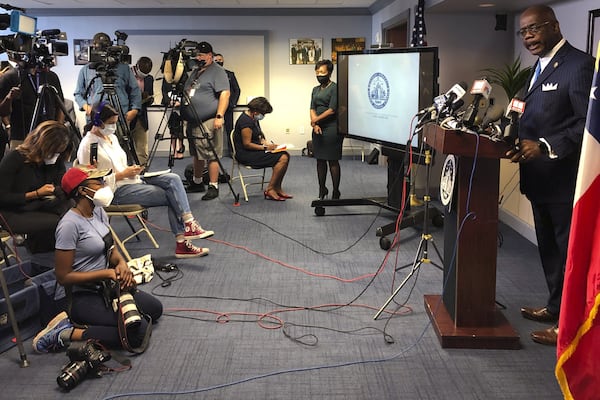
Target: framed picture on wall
593 32
80 50
346 44
305 51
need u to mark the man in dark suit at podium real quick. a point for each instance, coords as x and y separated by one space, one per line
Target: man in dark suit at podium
550 135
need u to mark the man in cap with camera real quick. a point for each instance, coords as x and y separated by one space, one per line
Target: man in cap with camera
205 102
90 86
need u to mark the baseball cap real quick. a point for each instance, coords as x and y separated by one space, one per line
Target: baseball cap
204 47
76 175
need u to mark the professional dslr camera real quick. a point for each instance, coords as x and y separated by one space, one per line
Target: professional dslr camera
86 361
28 47
104 56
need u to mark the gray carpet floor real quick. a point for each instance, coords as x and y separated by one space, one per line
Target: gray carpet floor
283 308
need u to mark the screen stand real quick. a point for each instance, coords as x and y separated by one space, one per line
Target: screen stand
396 172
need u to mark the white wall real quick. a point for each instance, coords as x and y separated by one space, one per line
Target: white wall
287 87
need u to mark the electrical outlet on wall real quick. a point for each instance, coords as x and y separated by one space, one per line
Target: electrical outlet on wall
301 130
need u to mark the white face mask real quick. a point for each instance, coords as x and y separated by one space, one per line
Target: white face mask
51 160
109 129
102 197
259 117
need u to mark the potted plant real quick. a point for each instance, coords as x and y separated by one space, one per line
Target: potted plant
511 77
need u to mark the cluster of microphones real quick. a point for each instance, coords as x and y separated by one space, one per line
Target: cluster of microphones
497 123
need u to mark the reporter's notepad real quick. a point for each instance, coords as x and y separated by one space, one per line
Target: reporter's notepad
281 147
155 173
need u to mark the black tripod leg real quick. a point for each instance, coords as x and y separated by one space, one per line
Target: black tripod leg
125 132
11 311
158 137
51 90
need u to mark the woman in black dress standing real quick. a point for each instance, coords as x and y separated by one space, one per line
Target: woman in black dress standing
252 148
327 143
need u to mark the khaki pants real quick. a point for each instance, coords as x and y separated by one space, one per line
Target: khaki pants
140 141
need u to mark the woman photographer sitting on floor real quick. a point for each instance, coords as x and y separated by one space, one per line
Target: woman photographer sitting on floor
86 262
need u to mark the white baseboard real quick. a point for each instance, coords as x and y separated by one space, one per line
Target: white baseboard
524 229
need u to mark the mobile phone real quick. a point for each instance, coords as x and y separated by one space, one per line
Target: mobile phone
93 153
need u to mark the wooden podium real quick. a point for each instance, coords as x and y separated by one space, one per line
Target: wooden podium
466 316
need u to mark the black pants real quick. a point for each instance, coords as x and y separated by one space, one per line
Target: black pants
89 309
38 225
552 225
3 142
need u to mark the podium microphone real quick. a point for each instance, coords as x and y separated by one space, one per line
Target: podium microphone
481 89
446 101
513 113
488 127
454 95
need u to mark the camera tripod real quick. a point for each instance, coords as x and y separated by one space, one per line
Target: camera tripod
163 125
422 255
122 125
49 90
123 131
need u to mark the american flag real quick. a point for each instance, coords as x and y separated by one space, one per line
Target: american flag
578 352
419 31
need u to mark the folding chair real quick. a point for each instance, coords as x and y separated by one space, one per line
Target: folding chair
243 177
127 211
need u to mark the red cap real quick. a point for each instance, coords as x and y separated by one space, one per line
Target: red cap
74 176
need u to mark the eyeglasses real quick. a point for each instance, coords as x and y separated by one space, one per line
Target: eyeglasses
96 181
534 29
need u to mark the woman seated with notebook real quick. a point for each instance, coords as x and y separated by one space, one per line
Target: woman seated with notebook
251 147
131 188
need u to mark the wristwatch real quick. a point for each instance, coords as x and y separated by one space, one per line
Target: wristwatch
219 116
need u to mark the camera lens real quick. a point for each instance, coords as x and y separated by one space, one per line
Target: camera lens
72 374
131 315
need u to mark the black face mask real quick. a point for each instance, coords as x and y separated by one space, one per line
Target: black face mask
220 63
323 79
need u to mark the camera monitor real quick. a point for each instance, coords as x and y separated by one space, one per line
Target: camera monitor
380 91
21 23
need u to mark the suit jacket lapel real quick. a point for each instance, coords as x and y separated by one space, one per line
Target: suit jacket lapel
554 63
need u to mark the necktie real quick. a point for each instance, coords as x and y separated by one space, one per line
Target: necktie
536 73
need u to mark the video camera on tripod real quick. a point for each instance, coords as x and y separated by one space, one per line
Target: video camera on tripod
28 47
178 62
104 56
